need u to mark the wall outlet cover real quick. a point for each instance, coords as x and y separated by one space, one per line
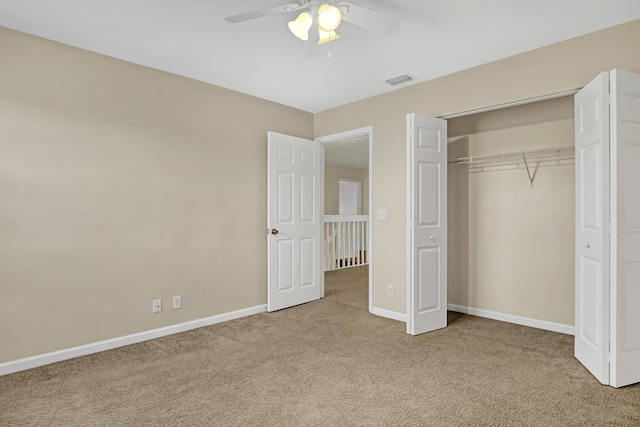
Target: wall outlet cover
177 302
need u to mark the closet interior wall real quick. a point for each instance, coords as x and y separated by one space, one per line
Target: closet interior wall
511 243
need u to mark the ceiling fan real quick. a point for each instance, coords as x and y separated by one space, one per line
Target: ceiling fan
326 15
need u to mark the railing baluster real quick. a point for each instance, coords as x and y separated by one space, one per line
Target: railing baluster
340 243
333 254
362 247
346 239
354 252
360 242
350 249
357 237
326 246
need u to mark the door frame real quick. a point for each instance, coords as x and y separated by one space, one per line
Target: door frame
341 136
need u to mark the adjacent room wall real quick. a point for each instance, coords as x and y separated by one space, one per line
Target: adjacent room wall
120 184
553 69
332 176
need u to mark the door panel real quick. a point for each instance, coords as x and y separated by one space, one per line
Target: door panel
429 294
308 205
429 202
427 223
294 218
307 257
590 208
592 222
625 239
285 197
285 265
591 326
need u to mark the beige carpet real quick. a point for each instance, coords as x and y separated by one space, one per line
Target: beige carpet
324 364
348 286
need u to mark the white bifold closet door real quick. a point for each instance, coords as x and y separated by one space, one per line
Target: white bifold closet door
607 324
427 224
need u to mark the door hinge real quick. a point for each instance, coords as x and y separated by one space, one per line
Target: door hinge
609 228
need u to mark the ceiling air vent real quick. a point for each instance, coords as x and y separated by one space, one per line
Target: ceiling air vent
399 80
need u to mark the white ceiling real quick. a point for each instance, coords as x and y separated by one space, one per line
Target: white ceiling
262 58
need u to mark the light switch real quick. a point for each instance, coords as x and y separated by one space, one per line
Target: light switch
382 214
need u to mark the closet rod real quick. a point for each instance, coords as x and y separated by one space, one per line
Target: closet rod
511 104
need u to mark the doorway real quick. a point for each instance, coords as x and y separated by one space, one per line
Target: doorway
348 158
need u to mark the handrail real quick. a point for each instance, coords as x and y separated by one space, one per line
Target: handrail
345 218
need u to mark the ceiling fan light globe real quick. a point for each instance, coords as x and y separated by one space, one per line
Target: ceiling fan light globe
327 36
329 17
300 27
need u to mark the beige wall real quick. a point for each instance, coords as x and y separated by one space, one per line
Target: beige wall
120 184
552 69
511 244
332 176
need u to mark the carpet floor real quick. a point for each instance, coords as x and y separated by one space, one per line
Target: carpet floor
324 364
348 286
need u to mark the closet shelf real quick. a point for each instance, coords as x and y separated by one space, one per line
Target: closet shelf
539 156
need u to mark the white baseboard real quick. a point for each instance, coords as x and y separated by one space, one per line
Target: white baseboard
83 350
402 317
509 318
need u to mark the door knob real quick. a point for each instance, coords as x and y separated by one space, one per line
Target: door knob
274 231
588 245
431 237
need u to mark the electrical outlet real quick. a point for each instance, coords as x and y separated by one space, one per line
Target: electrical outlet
177 302
157 305
390 290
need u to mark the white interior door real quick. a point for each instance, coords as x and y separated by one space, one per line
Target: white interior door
294 217
427 223
349 197
625 233
592 222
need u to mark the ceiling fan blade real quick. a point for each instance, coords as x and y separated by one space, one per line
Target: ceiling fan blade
369 19
311 46
290 7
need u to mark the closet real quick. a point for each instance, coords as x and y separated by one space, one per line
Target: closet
514 235
511 214
607 253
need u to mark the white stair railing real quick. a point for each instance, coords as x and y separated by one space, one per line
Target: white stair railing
346 239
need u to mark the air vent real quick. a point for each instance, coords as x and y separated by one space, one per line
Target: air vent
399 80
